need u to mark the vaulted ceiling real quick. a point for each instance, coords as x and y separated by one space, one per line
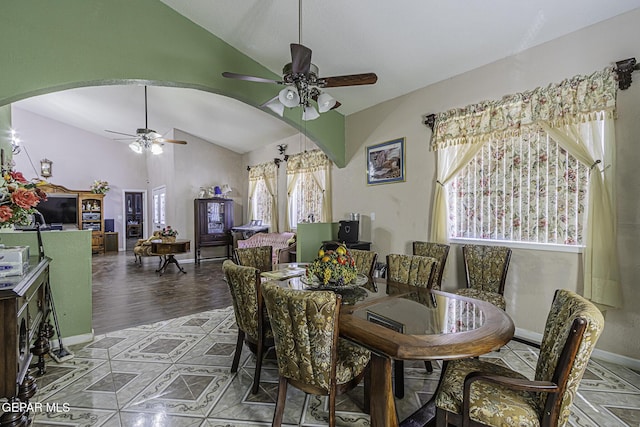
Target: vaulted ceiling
408 44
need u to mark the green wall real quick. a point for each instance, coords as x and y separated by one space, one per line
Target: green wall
69 274
49 46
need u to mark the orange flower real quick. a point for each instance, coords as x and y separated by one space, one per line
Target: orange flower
5 213
24 198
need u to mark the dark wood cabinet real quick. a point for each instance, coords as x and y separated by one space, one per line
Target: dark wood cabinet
213 221
23 310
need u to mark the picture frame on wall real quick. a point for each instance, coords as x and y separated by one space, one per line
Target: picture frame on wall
385 162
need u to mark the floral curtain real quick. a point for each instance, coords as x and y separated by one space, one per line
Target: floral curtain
580 99
262 194
308 187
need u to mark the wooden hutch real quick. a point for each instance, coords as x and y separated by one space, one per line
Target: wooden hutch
213 221
90 211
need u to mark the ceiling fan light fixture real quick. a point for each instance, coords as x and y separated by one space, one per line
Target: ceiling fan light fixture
325 102
289 97
310 113
156 149
136 147
276 106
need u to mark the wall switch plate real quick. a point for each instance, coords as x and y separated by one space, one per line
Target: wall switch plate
373 216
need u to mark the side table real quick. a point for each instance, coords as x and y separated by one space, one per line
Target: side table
167 251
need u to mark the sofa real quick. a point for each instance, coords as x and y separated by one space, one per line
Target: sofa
281 244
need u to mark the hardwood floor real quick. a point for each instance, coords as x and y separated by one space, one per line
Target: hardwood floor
126 294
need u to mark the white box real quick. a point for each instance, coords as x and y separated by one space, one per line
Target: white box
14 260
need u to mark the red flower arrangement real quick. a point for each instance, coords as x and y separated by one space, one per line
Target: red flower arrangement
18 199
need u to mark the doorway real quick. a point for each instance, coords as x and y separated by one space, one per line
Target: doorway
134 217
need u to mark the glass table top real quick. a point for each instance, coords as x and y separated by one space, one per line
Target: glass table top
401 308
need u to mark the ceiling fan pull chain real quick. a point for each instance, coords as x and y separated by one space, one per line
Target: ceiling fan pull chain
299 21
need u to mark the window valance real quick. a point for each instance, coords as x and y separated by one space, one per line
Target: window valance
308 161
574 100
262 170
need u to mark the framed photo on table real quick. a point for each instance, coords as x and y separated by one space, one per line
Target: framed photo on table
385 162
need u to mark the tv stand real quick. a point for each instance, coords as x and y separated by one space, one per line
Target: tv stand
90 211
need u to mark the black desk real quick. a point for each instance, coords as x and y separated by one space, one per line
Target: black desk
249 230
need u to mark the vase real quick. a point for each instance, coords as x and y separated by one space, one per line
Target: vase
168 239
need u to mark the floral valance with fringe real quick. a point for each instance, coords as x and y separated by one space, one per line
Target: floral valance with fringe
574 100
308 161
262 170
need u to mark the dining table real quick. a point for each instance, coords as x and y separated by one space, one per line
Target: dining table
402 322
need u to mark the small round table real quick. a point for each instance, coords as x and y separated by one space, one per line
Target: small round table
167 251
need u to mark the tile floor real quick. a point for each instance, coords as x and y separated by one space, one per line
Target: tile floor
176 373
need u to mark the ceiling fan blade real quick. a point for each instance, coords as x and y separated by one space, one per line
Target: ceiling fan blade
249 78
300 59
120 133
172 141
348 80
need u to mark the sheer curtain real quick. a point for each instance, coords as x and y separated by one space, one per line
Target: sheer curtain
263 178
578 113
308 187
593 143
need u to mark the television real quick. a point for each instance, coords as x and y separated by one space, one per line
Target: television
59 209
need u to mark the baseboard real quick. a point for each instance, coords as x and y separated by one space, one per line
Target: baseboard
73 340
606 356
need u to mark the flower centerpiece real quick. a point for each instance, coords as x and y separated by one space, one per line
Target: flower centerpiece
100 187
336 267
168 234
18 199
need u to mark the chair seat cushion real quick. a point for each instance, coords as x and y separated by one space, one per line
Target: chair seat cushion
491 404
492 297
352 359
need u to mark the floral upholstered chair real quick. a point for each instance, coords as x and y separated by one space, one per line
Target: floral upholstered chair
419 272
486 394
258 257
433 250
251 319
486 272
310 354
365 261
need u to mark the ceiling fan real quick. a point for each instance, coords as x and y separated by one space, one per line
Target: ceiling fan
145 138
300 77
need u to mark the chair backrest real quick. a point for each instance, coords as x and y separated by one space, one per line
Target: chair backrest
246 294
305 331
259 257
434 250
486 267
414 270
572 329
365 261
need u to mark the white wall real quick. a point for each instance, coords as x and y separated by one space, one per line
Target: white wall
79 158
403 210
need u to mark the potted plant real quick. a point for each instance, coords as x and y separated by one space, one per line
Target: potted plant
168 234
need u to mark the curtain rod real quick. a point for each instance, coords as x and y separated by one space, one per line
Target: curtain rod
623 69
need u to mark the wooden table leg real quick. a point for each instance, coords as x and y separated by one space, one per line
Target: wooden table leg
382 405
169 259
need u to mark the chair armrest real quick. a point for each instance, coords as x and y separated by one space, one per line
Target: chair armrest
283 255
513 383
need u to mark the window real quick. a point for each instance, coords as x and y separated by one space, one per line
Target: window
262 194
261 203
305 200
521 188
309 188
